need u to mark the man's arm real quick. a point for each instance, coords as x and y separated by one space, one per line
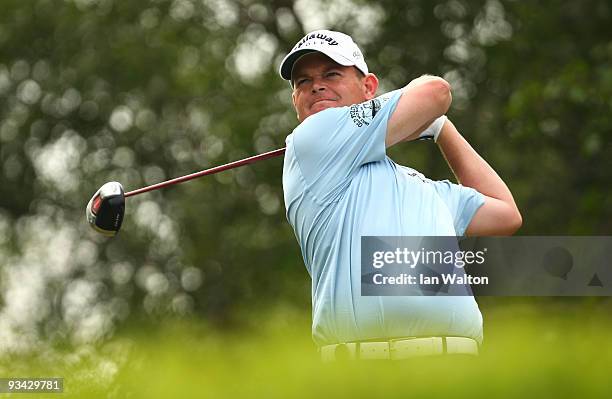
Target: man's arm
499 214
423 100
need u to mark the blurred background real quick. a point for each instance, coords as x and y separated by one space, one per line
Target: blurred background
142 91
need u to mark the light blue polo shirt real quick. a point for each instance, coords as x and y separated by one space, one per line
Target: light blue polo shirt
339 185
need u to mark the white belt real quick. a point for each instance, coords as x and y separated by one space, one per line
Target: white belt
401 348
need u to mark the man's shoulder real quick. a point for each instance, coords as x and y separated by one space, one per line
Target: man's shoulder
327 116
317 130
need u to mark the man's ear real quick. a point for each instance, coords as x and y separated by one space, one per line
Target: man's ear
370 85
294 107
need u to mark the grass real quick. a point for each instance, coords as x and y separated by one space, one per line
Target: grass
531 350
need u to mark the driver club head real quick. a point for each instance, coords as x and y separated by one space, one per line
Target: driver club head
106 208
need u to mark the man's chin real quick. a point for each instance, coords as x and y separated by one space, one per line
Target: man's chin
318 107
322 105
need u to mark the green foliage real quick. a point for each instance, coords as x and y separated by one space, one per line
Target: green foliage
542 351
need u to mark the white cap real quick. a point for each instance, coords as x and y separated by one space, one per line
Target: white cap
336 45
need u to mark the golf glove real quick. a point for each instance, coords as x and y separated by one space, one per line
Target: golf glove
433 131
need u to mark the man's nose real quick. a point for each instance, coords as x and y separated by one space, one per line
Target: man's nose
317 85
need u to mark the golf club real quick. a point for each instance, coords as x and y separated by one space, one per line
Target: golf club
106 208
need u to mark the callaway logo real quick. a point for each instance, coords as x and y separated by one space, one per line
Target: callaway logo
363 113
321 36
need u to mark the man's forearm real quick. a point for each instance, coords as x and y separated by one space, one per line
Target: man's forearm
469 167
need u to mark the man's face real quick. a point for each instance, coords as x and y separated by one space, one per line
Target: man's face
320 83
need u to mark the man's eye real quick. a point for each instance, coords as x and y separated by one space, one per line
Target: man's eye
333 73
300 81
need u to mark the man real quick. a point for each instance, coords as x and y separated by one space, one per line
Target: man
339 185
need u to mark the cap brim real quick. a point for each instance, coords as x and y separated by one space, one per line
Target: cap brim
289 60
287 65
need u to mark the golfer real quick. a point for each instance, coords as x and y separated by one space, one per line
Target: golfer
340 185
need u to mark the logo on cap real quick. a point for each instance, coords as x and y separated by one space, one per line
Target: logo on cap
325 39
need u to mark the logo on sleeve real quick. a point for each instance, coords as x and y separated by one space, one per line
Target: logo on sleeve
362 114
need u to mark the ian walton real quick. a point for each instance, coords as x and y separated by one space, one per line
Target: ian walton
421 279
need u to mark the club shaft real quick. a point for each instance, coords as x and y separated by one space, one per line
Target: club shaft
216 169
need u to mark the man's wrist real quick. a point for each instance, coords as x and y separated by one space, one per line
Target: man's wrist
433 131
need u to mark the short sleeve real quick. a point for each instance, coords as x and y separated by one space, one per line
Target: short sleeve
461 201
333 144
